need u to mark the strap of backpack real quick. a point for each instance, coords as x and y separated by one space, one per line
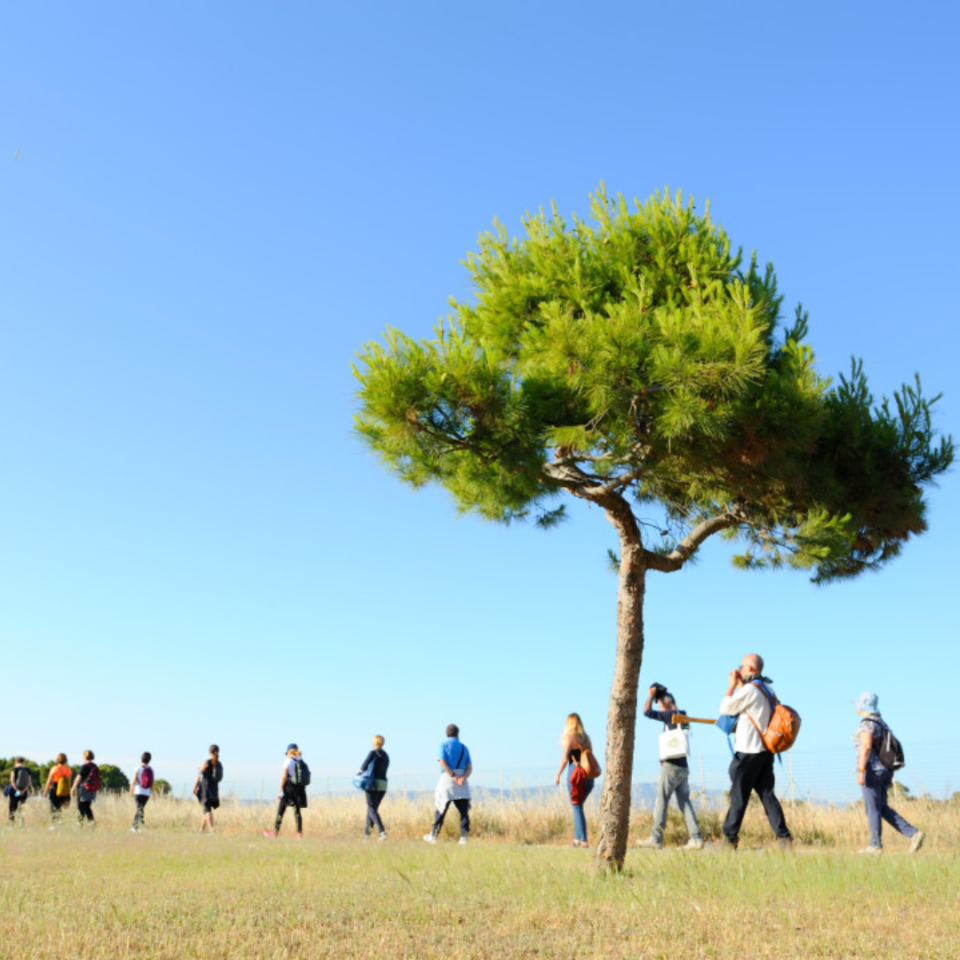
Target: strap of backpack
763 688
460 758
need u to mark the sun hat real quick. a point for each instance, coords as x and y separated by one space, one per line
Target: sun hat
867 702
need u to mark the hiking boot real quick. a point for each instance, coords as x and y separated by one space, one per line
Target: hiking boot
650 844
693 844
429 838
917 842
872 850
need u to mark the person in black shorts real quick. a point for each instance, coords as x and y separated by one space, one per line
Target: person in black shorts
207 787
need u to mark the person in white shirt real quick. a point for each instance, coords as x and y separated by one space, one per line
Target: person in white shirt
752 766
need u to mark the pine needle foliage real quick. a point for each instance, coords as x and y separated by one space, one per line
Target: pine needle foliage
638 355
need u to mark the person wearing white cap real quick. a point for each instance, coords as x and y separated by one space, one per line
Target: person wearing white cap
875 778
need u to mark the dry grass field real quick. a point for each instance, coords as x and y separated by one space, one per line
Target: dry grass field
517 890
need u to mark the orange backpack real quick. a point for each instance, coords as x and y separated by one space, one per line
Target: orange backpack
784 725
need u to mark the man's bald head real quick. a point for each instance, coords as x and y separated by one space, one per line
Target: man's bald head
752 663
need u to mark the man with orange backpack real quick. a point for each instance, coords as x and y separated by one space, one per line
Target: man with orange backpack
751 700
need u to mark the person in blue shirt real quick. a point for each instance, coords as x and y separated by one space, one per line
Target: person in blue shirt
674 778
455 768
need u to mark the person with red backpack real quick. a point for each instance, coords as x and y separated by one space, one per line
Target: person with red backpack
86 784
141 788
750 698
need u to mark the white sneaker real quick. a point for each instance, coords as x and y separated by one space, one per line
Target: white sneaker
917 842
429 838
649 844
463 842
382 837
875 851
693 845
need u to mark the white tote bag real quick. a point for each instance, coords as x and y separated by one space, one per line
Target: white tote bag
674 744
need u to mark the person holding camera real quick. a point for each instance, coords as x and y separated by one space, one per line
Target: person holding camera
674 771
752 766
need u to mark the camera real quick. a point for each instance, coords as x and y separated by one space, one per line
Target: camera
659 691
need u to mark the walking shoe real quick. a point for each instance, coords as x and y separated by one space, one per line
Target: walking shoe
917 842
270 834
298 836
649 844
730 845
876 851
693 845
429 838
382 837
463 842
785 843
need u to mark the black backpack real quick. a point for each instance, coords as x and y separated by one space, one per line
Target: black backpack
890 751
301 773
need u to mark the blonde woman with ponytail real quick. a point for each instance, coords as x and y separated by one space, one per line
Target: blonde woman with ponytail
207 787
574 740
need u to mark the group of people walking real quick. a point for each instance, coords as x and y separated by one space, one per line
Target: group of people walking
749 696
452 787
63 786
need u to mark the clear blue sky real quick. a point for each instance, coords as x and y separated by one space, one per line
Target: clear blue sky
208 208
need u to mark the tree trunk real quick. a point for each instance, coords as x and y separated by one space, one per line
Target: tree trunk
622 712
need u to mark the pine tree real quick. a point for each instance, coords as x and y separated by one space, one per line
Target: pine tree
637 364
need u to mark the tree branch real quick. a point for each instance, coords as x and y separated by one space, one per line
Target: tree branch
688 546
586 485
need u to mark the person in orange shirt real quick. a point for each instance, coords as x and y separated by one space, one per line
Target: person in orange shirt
57 789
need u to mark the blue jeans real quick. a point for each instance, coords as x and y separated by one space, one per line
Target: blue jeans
875 787
579 820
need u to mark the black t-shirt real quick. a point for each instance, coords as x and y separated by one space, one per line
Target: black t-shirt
210 777
380 763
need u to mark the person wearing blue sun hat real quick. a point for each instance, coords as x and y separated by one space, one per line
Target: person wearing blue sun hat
875 776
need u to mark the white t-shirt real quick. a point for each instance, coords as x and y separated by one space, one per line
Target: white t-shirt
139 791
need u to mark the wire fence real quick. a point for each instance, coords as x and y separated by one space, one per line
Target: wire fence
803 774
